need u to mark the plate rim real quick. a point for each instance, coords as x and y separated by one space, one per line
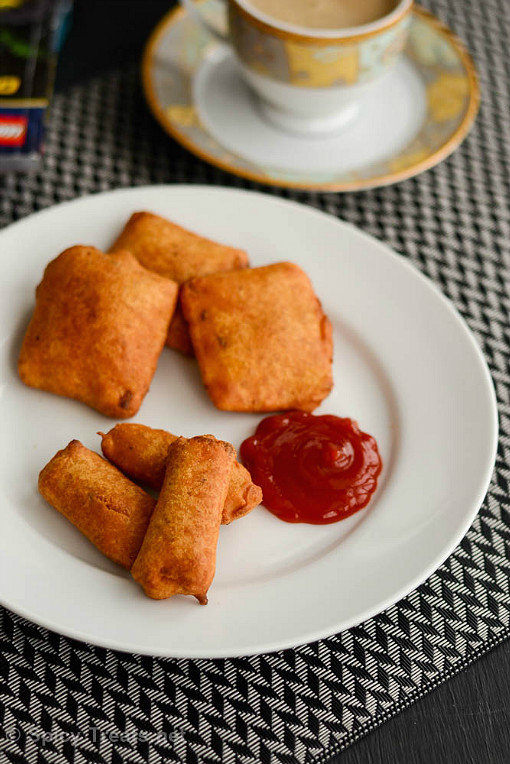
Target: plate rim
174 15
405 589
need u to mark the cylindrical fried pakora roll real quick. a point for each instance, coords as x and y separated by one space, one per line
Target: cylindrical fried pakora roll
178 553
110 510
141 453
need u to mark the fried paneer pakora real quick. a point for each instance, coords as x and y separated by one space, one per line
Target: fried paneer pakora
97 331
141 453
262 340
178 553
174 252
110 510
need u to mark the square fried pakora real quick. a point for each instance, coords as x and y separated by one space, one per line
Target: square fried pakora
169 250
98 328
262 340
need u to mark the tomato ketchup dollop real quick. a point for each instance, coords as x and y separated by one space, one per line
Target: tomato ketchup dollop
312 469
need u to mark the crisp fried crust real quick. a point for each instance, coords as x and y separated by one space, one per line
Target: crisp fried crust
97 331
262 340
141 452
178 553
178 334
243 495
110 510
178 254
174 252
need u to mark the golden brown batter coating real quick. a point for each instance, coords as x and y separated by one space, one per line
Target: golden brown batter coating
178 254
174 252
141 453
98 328
178 553
262 340
110 510
178 334
242 496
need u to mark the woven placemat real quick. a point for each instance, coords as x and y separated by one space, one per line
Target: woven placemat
68 701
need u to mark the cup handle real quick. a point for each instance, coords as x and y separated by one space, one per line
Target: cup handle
195 13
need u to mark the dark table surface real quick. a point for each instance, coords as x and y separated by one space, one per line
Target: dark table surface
466 720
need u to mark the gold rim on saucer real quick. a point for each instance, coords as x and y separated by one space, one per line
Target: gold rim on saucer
451 99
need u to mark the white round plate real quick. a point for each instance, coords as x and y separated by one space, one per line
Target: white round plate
405 366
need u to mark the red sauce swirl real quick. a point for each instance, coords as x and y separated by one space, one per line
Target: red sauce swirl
312 469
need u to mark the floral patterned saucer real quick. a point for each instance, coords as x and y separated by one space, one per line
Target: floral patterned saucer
419 113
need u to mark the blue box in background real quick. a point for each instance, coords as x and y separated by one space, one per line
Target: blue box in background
31 34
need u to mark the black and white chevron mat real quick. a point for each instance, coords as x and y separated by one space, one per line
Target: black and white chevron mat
63 701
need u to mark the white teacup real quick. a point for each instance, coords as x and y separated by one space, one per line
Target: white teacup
311 80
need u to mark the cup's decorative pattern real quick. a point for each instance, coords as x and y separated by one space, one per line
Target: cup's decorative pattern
314 63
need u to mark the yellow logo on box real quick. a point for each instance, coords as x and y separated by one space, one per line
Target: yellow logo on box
9 85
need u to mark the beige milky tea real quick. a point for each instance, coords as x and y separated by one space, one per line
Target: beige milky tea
325 14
